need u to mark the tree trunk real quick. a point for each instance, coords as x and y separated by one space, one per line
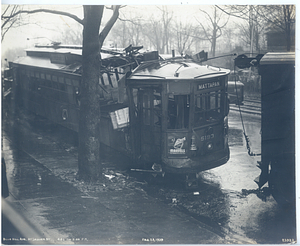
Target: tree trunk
89 158
287 26
214 41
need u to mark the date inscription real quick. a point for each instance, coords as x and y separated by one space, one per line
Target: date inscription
152 239
288 240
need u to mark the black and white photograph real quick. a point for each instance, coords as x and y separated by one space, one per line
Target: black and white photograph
148 123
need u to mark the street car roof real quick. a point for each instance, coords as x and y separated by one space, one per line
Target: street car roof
185 69
49 57
44 62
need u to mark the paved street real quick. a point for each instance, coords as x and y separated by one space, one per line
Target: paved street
44 190
125 207
253 215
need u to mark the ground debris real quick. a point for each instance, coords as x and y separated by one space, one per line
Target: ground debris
262 194
110 177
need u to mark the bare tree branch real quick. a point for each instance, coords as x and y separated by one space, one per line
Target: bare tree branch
208 16
74 17
229 13
131 21
4 31
205 32
5 10
109 24
9 22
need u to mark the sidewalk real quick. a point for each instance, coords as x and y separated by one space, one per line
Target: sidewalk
43 189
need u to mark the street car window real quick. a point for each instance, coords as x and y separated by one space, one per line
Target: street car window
207 107
178 111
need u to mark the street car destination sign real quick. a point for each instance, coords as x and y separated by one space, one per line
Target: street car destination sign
208 85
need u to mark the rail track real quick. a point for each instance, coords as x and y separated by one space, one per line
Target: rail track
250 106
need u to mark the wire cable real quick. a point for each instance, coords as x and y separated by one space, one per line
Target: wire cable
250 153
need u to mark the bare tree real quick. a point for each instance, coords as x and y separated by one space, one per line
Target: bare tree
89 156
154 31
157 30
166 21
128 31
184 38
71 35
12 20
253 28
262 18
280 18
214 28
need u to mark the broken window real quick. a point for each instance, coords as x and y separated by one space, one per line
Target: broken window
178 111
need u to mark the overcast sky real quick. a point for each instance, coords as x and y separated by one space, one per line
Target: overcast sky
51 26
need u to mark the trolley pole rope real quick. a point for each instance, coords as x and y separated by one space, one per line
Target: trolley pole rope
250 153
